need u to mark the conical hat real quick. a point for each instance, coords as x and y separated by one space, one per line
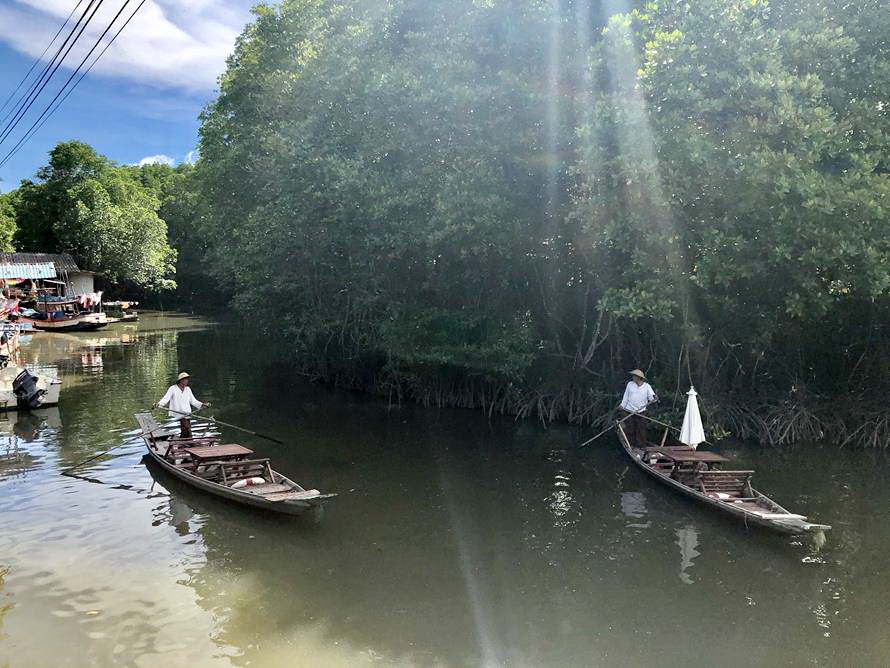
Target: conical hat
184 374
637 372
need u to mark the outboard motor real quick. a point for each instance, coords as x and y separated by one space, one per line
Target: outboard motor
26 391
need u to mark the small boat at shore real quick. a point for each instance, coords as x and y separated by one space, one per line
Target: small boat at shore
22 390
120 311
63 315
227 471
697 474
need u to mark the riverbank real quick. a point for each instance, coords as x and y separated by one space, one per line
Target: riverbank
769 419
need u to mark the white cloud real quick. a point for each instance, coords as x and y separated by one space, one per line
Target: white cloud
169 43
159 159
191 157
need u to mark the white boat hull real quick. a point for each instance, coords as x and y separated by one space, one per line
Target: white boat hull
51 388
77 323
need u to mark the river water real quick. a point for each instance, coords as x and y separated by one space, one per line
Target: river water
455 541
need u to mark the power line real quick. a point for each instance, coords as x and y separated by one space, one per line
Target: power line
40 57
33 86
50 109
42 82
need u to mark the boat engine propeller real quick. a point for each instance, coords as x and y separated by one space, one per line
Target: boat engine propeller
26 391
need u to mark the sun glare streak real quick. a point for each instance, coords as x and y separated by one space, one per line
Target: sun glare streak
635 137
480 607
554 52
648 206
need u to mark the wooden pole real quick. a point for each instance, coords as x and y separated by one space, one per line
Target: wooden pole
629 415
609 428
226 424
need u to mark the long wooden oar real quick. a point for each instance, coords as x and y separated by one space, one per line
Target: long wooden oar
607 429
226 424
67 471
615 424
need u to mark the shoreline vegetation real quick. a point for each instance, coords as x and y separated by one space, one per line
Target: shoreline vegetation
506 205
771 421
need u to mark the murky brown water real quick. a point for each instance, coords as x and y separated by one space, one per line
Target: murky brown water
455 541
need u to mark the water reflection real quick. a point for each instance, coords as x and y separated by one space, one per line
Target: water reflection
6 603
687 540
91 360
561 502
633 505
18 428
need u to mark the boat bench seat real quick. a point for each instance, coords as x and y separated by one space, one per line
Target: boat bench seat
194 441
245 468
728 482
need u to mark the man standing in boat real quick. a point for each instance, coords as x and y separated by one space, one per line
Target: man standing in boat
181 401
637 395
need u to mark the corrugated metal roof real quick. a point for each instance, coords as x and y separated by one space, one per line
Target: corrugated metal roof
61 261
28 270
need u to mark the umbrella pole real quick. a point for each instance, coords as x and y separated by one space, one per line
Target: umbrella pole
669 426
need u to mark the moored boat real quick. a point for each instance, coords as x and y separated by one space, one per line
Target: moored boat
64 321
120 311
227 471
697 474
22 390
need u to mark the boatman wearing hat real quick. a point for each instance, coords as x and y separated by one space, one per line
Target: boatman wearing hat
637 395
181 401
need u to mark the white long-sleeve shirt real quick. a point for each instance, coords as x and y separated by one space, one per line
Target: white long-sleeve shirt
637 397
181 401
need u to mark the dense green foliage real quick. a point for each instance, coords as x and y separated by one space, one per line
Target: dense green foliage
104 215
507 203
375 183
760 201
7 221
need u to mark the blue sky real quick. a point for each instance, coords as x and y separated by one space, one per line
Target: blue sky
141 101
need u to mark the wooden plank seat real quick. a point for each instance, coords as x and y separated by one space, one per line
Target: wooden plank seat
177 446
180 442
224 451
242 469
734 483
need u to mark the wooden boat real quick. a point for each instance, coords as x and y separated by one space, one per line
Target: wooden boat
225 471
64 316
120 311
696 474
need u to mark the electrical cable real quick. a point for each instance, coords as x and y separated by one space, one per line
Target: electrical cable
21 101
42 82
39 58
49 112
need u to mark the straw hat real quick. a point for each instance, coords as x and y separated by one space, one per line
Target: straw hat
184 374
637 372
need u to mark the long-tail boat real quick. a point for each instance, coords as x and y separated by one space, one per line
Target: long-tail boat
697 474
227 470
63 315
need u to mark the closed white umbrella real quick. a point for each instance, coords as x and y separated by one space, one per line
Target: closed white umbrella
692 432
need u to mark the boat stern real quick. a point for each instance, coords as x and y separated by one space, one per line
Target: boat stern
52 388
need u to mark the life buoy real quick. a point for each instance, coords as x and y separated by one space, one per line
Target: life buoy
247 482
